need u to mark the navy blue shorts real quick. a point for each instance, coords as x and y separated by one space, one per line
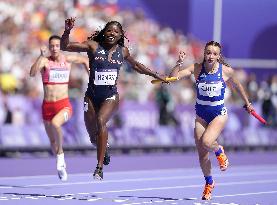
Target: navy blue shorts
208 113
99 94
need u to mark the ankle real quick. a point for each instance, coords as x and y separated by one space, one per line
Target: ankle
209 180
218 151
60 157
99 166
60 160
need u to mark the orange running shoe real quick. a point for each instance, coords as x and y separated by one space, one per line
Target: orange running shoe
222 160
207 193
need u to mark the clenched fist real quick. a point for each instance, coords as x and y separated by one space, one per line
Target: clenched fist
69 23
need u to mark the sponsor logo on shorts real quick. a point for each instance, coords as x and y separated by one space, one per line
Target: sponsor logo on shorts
224 111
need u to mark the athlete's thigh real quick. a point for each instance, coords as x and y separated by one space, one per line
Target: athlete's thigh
61 117
215 128
90 115
49 130
200 127
108 108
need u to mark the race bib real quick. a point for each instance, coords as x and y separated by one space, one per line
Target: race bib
105 77
210 90
59 76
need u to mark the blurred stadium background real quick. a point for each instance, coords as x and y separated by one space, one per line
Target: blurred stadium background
151 117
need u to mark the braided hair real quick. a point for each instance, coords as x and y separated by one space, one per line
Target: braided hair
98 36
221 59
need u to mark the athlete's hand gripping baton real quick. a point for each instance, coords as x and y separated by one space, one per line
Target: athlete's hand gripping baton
257 116
169 79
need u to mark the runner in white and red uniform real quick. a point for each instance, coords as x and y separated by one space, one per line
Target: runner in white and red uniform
55 73
56 107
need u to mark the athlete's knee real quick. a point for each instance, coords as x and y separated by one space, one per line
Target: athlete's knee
206 143
52 142
55 124
101 123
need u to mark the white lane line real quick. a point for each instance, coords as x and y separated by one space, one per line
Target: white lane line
160 171
188 186
120 200
149 179
246 194
96 199
130 172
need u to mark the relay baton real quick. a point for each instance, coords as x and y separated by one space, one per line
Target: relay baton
169 79
257 116
260 118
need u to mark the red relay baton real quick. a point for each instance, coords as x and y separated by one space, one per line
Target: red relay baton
257 116
260 118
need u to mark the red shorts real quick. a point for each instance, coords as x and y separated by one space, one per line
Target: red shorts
50 109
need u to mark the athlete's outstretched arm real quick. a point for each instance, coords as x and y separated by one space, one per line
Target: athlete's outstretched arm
140 68
66 45
179 70
234 83
79 59
39 63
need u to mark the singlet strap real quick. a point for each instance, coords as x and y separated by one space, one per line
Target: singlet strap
63 59
201 71
220 70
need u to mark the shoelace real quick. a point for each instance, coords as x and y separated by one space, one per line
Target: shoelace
221 158
208 189
98 170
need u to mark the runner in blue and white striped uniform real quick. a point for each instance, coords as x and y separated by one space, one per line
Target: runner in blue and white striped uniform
210 94
212 76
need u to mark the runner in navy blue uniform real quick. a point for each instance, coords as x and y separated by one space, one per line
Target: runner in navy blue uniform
212 76
106 52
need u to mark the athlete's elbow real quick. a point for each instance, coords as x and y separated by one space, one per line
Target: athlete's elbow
137 69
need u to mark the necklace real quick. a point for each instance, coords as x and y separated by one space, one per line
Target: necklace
213 70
